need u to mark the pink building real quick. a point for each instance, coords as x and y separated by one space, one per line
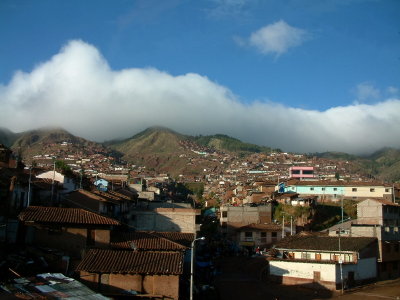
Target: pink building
301 172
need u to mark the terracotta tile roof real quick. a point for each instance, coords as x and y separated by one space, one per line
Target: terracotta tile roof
42 214
183 238
320 242
133 262
142 240
260 227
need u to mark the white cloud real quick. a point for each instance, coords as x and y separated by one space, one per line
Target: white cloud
366 92
222 8
77 90
277 38
392 90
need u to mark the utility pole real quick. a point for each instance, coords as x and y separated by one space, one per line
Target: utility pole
340 262
342 209
283 225
291 225
29 186
52 182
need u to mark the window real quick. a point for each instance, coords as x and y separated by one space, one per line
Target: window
248 234
335 189
224 214
305 255
354 189
387 190
318 256
263 234
372 190
323 189
335 257
311 189
274 235
90 238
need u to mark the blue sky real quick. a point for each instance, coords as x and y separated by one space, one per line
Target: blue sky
296 59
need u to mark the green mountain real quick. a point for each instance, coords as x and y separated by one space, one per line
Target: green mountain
49 141
335 155
383 164
163 150
151 140
7 137
226 143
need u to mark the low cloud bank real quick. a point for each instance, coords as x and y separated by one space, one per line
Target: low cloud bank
77 90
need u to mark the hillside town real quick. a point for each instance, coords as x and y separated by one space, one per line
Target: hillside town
89 224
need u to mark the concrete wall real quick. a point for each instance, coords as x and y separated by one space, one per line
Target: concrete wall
368 192
165 219
258 240
338 192
294 273
248 214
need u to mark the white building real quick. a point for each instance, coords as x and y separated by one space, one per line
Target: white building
322 261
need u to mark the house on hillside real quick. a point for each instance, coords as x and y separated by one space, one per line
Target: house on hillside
380 219
320 261
67 183
234 217
337 190
258 235
112 204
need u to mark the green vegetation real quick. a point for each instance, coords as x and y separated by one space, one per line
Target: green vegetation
227 143
329 214
289 210
64 168
196 188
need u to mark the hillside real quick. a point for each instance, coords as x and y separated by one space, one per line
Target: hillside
221 142
7 137
152 140
383 164
163 150
51 141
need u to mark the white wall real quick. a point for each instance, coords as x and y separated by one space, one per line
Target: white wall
303 270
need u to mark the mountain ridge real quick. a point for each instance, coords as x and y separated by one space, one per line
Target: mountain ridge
164 149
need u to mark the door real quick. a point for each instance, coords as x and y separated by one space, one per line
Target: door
317 276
